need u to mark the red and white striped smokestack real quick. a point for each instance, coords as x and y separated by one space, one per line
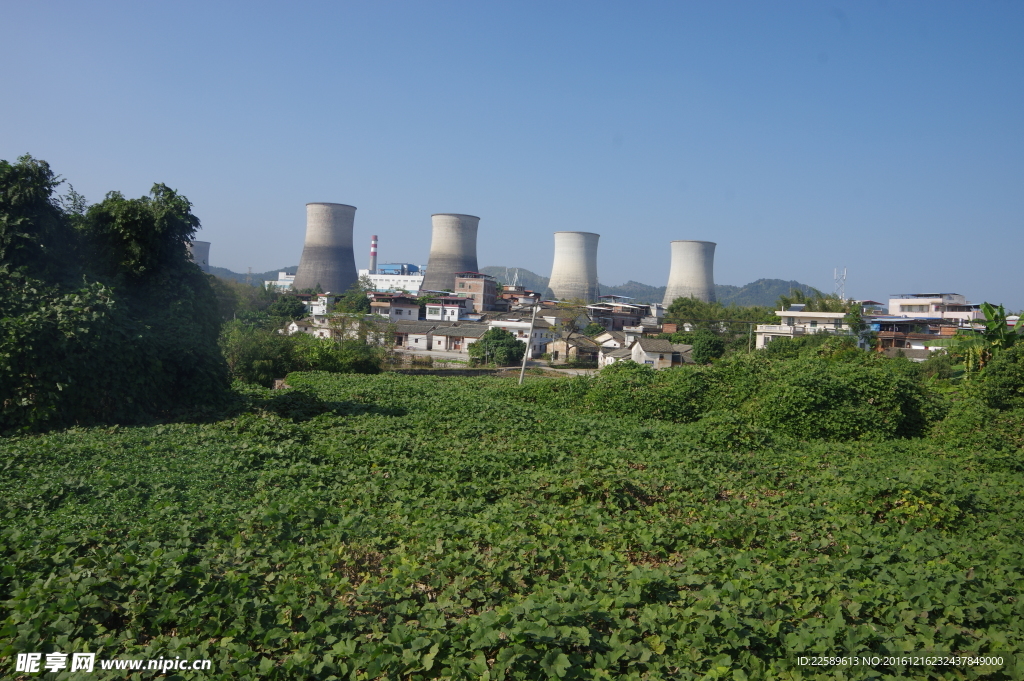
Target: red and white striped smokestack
373 254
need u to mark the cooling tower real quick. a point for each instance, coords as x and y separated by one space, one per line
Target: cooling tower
574 272
200 251
327 257
692 272
452 249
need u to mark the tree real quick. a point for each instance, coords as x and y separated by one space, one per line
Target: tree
287 307
706 346
355 300
976 348
571 316
103 315
816 302
497 346
593 329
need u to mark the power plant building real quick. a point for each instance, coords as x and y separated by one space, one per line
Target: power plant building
574 271
200 252
327 258
452 250
691 274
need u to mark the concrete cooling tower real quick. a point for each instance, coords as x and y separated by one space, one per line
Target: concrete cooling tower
200 251
692 272
327 257
574 272
452 249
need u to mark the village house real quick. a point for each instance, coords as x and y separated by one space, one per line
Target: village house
414 335
798 322
660 353
943 306
449 308
457 337
542 333
477 286
611 339
578 348
395 307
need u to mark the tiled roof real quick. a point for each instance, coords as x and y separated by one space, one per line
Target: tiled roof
655 345
464 331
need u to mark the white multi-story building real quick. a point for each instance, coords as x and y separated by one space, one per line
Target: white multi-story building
449 308
799 323
283 283
396 279
934 306
520 328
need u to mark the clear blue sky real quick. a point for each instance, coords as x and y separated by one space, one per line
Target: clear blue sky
883 136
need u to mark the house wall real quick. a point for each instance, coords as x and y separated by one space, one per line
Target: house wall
657 360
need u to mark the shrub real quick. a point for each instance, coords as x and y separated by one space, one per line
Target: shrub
811 398
1001 384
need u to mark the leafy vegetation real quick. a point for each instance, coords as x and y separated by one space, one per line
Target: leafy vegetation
699 522
498 347
102 314
259 356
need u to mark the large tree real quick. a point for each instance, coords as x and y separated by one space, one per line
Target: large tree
499 347
103 316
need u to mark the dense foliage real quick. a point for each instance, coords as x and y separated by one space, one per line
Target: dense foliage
400 527
257 355
103 316
499 347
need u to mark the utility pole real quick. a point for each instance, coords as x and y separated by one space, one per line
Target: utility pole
529 338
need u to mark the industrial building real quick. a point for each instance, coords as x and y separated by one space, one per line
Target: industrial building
395 277
452 250
691 274
200 253
327 259
574 270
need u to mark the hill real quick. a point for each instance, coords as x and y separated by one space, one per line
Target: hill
761 292
256 278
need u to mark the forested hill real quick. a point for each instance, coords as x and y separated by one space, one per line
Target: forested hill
256 278
760 292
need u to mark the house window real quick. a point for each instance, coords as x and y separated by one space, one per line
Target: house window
814 323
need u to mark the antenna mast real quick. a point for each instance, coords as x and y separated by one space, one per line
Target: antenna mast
840 279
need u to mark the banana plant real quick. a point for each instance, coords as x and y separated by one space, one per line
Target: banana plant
998 332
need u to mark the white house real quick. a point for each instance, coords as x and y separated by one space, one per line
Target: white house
395 308
283 283
611 355
458 337
520 328
934 306
449 308
799 323
659 353
413 335
611 339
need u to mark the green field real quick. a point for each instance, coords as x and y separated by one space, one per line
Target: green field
408 527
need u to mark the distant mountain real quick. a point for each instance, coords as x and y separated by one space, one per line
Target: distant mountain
640 293
256 278
761 292
505 276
